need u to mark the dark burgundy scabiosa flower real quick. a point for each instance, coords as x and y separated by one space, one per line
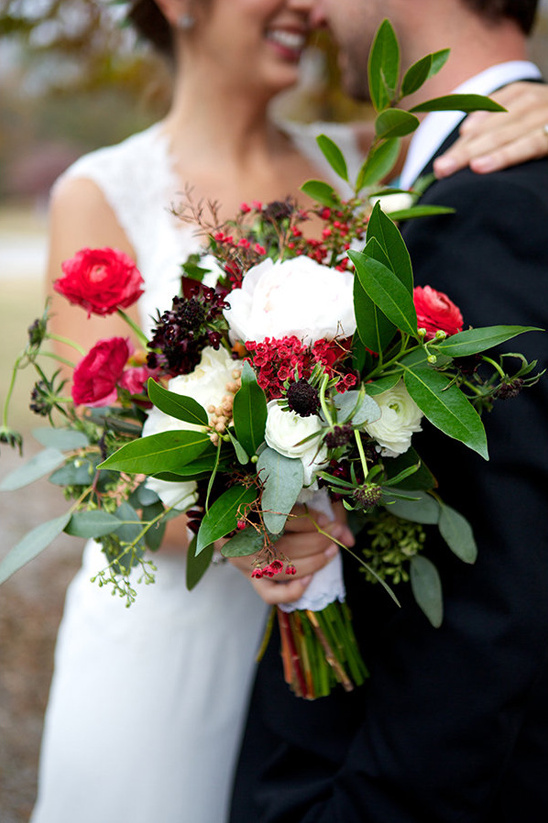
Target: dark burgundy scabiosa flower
193 322
510 387
279 209
339 436
303 398
367 496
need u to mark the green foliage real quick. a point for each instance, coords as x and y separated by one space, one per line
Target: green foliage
283 481
249 412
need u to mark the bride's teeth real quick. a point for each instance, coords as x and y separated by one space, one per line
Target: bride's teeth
287 39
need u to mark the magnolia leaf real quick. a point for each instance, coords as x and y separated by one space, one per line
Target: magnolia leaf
395 123
383 66
423 508
197 564
378 164
61 439
32 544
38 466
426 587
224 514
382 384
92 524
374 329
419 211
241 454
382 228
163 452
249 541
321 192
283 479
249 412
458 102
457 533
447 408
333 155
387 292
474 341
177 405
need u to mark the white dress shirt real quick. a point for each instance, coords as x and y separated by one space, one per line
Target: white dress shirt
437 126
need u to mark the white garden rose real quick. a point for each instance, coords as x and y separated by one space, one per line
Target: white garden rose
207 384
400 419
393 202
293 297
284 432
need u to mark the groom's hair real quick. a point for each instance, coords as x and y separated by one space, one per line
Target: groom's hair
523 12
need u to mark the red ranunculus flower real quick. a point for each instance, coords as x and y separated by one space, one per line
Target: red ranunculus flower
96 376
100 280
135 379
435 311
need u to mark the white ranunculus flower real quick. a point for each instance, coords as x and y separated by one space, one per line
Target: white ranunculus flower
207 385
297 296
393 202
400 418
285 429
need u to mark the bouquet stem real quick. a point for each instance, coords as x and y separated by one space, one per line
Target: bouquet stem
319 651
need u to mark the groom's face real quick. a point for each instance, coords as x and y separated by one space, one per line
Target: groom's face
353 23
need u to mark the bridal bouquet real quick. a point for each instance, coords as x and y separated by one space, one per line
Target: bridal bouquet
294 368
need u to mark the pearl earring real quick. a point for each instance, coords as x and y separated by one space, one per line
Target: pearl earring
186 22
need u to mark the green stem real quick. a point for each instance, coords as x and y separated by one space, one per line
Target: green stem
134 327
362 454
323 403
60 339
495 365
10 391
59 359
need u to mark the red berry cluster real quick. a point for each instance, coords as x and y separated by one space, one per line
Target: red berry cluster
273 568
237 256
342 225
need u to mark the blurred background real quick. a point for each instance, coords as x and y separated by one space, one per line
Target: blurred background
72 78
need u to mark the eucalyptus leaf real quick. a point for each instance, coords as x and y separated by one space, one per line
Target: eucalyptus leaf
447 408
249 412
421 480
458 102
422 509
356 407
31 545
248 541
38 466
383 66
477 340
155 533
426 587
61 439
75 473
92 524
283 479
128 532
321 192
387 292
395 123
176 405
333 155
224 514
378 164
457 533
197 565
163 452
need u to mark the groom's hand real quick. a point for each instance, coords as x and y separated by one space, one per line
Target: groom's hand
309 543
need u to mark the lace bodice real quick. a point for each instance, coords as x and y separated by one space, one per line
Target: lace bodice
140 185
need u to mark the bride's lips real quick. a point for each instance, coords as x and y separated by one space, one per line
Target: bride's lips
289 43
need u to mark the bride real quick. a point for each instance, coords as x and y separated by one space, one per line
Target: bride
147 703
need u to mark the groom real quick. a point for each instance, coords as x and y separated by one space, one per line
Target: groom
453 723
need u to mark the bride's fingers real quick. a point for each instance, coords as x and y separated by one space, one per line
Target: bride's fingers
275 593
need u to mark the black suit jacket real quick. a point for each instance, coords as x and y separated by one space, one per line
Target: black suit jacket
453 723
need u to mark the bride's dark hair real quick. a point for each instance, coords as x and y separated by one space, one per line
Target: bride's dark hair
151 24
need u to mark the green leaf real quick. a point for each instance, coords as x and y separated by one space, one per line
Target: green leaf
163 452
31 545
446 407
423 509
38 466
457 533
197 565
177 405
61 439
420 211
417 74
92 524
426 587
378 164
421 480
80 473
374 329
382 384
474 341
241 454
395 123
387 291
154 534
224 514
283 479
249 412
249 541
321 192
382 228
128 532
333 155
383 66
459 102
357 407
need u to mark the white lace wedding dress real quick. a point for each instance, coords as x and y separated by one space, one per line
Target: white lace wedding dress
147 703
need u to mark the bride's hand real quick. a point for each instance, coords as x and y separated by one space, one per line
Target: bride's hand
493 141
306 547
